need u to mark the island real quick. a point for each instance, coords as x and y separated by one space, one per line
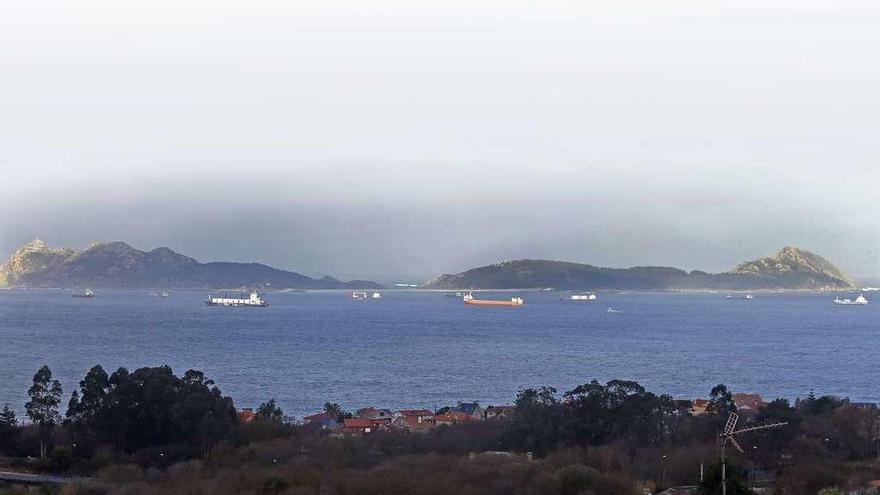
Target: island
791 268
118 265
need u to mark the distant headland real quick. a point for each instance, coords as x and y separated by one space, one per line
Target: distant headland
790 269
118 265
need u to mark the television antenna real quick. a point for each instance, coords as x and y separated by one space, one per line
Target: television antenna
728 435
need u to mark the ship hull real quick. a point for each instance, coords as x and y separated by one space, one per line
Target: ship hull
237 305
486 302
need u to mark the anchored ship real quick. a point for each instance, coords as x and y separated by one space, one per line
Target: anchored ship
363 296
740 296
254 300
859 301
469 299
589 296
87 293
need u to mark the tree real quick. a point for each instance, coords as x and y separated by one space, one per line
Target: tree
42 409
8 427
736 481
269 411
720 401
151 407
335 411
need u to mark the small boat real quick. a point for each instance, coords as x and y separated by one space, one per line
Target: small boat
859 301
469 299
85 293
255 299
740 296
165 293
612 310
376 295
454 294
587 296
359 296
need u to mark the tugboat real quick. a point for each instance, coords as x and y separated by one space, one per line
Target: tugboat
86 293
469 299
859 301
254 300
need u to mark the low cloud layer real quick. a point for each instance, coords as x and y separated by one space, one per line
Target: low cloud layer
401 141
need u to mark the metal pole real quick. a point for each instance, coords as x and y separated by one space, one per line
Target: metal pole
723 470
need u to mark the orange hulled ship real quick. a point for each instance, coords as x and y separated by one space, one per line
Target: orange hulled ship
514 301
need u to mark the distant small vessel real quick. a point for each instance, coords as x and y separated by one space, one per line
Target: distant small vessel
859 301
454 294
588 296
86 293
870 289
612 310
165 293
363 296
740 296
254 300
514 301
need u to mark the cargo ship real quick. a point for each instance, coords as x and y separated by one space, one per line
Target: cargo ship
514 301
859 301
254 300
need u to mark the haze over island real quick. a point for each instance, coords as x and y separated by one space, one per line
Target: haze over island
411 140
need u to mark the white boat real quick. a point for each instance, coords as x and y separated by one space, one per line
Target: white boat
86 293
376 295
740 296
165 293
859 301
589 296
612 310
253 300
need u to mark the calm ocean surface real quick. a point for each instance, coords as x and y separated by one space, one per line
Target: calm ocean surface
423 349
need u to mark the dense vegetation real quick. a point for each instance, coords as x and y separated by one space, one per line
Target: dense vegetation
152 432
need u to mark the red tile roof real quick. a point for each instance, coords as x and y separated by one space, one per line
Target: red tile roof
358 423
416 412
246 415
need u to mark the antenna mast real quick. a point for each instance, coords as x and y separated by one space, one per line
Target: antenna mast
728 436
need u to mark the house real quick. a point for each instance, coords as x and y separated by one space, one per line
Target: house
699 406
246 415
373 413
472 409
357 426
748 403
493 412
453 417
322 418
413 419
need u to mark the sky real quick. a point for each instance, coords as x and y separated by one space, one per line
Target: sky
397 140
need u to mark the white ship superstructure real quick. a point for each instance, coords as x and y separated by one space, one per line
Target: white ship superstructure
254 300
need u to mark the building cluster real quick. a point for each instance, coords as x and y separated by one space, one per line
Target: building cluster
746 404
370 419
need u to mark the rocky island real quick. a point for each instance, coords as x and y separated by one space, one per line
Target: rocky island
118 265
790 269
